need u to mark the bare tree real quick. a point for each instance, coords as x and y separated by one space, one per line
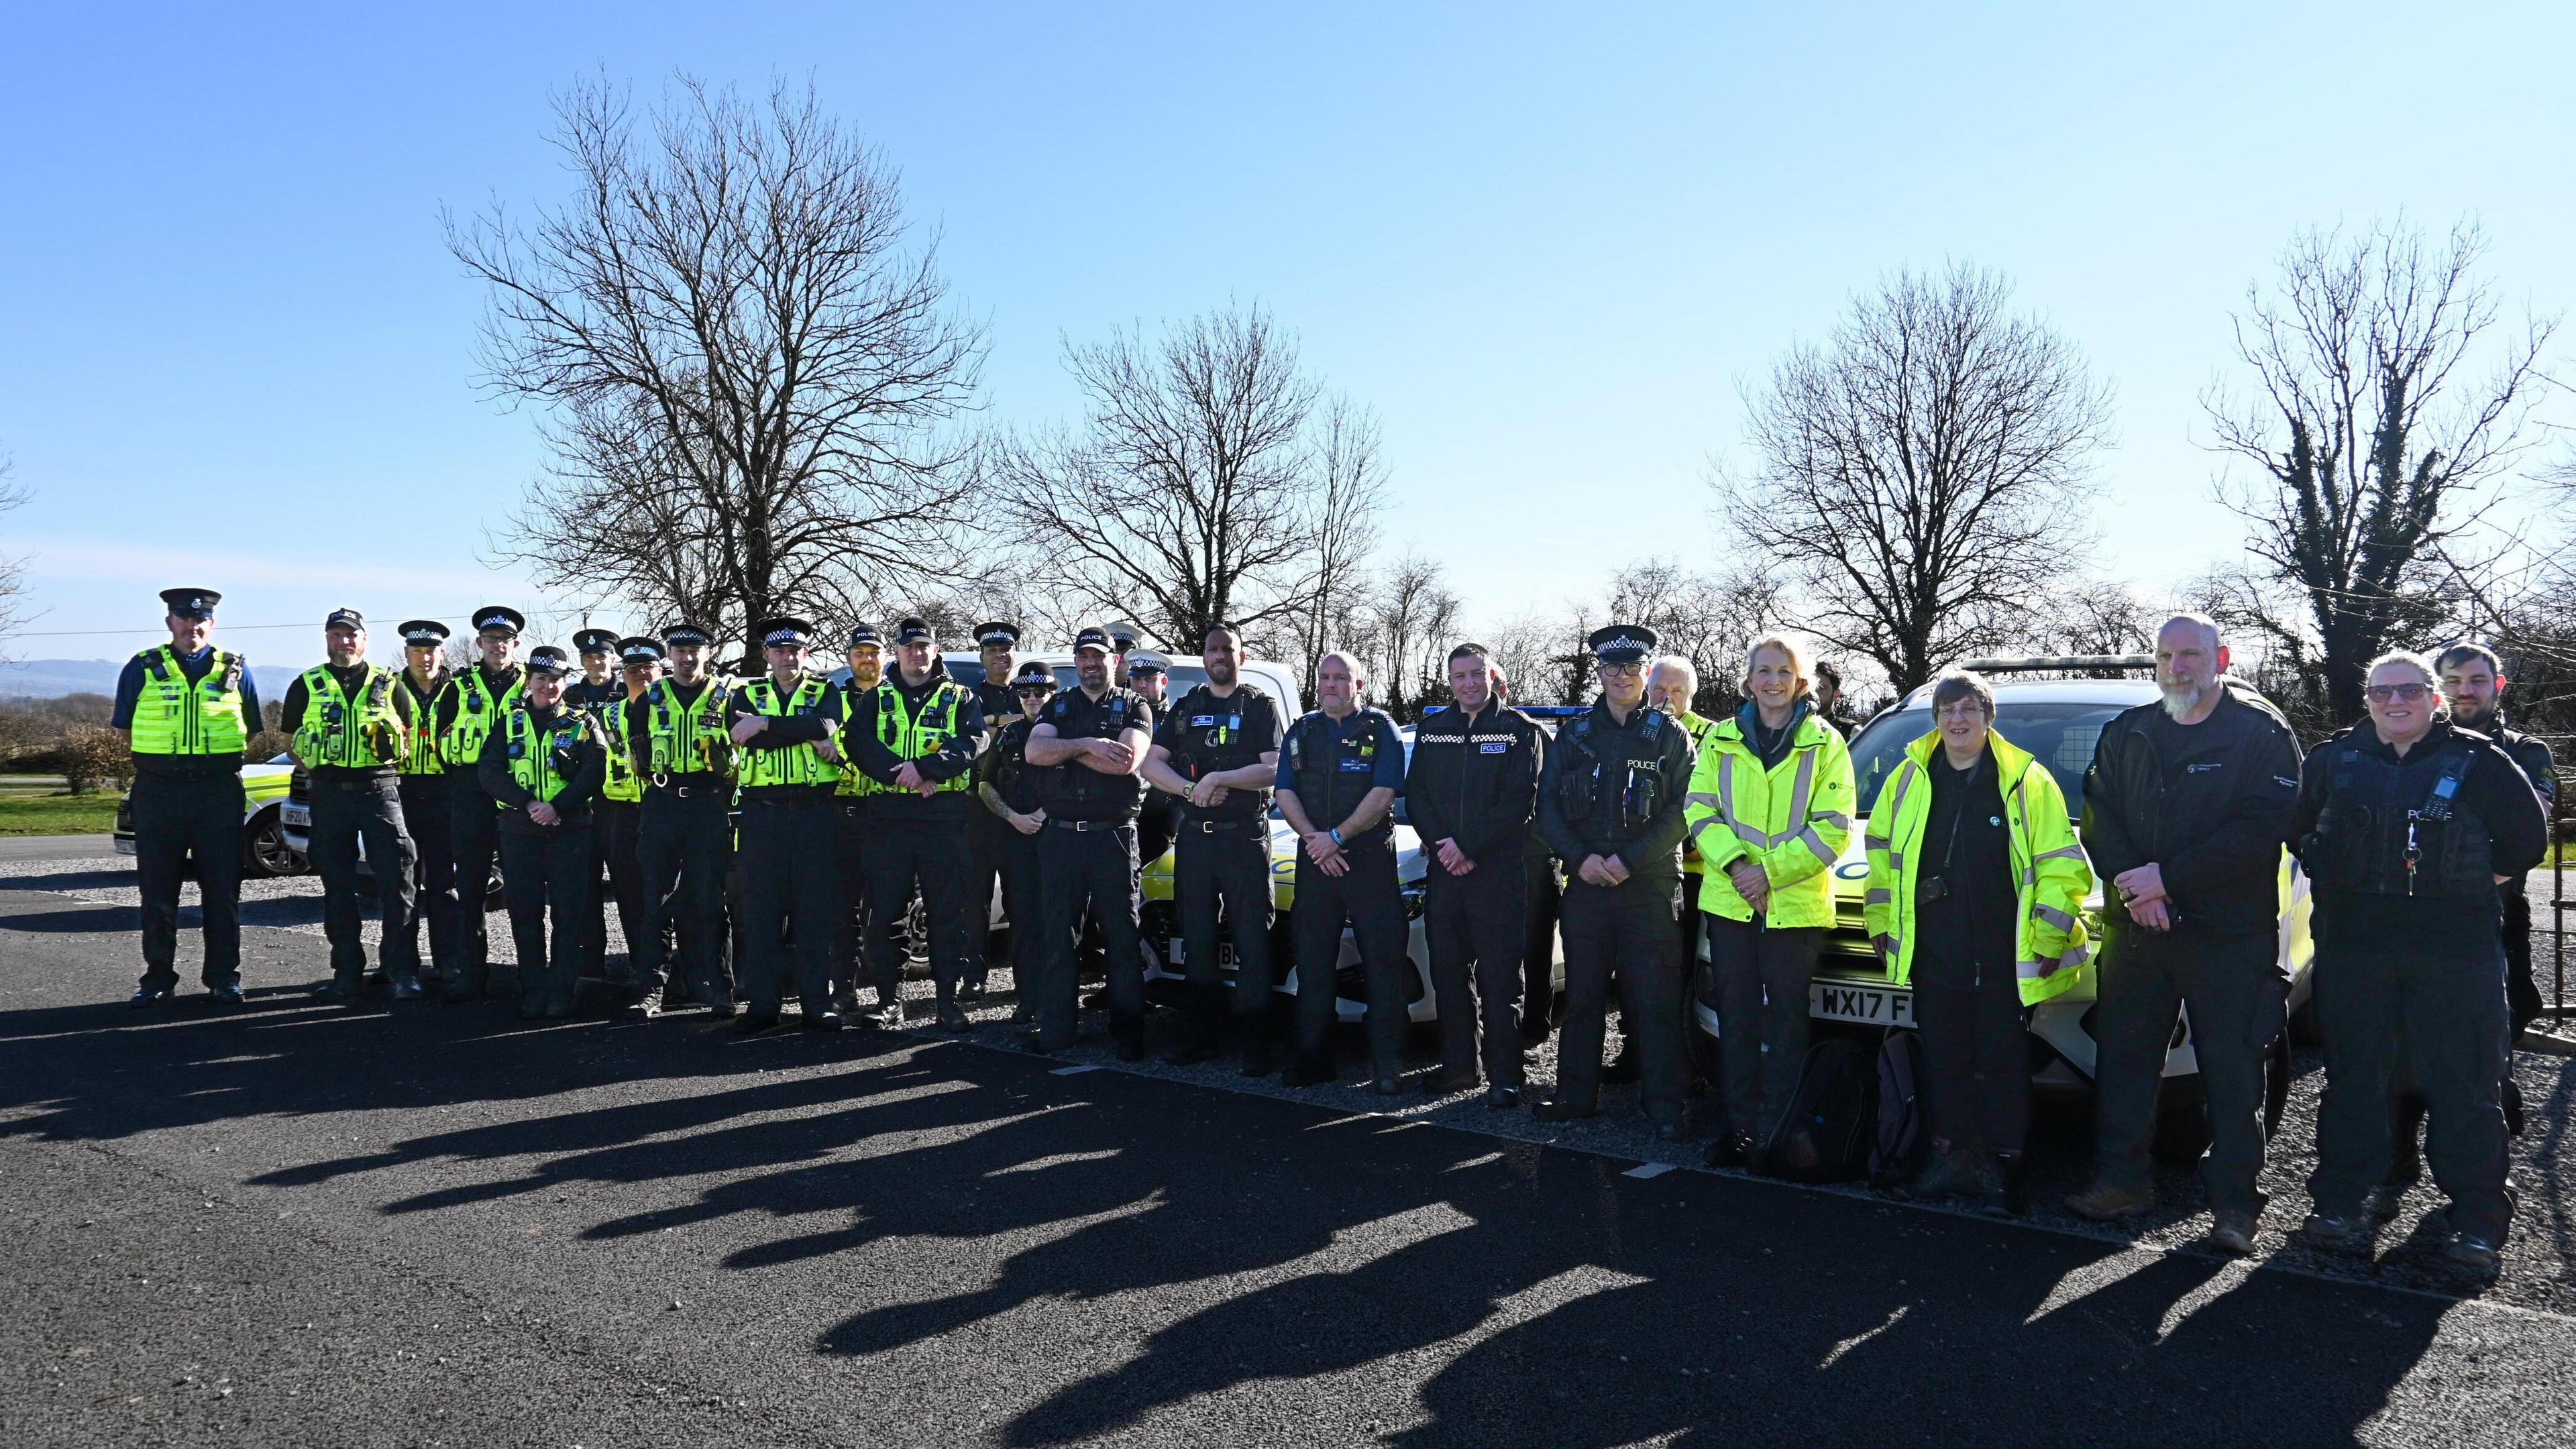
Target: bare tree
2094 616
1922 476
744 370
1707 618
1410 618
2385 399
1212 479
13 569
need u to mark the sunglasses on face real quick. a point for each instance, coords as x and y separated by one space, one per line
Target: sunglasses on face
2383 693
1033 691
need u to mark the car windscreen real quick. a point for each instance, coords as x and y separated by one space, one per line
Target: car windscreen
2061 735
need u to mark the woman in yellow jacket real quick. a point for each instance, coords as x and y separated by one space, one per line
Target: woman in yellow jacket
1769 809
1976 894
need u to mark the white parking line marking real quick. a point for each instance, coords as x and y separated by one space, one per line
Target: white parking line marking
1648 1169
1075 1071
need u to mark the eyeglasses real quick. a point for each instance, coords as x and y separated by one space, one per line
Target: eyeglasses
2383 693
1037 691
1630 669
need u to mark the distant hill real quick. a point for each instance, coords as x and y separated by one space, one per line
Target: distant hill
50 678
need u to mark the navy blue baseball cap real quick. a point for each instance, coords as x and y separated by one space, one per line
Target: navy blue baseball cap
1093 638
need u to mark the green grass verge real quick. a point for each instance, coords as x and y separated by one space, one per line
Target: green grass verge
57 813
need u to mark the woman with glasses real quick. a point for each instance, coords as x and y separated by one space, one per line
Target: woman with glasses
2405 825
1770 807
1976 883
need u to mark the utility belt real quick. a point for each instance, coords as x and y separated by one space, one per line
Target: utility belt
1222 827
1087 827
696 785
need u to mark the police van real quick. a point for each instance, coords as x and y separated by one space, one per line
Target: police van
2058 721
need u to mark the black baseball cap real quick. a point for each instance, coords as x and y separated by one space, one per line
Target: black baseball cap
864 634
1093 638
348 618
915 630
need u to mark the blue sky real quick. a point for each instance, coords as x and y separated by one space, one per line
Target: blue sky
1547 245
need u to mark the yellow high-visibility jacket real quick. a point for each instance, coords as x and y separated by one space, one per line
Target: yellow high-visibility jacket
1792 820
2050 944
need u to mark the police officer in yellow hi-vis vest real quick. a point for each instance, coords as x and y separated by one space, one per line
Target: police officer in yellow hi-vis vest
684 833
349 724
854 809
1975 900
618 819
469 710
1770 808
787 763
915 736
542 767
187 709
427 803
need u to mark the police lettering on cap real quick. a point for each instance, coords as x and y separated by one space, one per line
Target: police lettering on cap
547 659
989 635
914 631
867 635
679 634
424 633
345 619
191 603
1148 661
1092 639
785 632
497 619
1034 672
639 649
595 641
1622 643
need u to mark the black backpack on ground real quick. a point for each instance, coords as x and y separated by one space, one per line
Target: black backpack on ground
1832 1123
1903 1137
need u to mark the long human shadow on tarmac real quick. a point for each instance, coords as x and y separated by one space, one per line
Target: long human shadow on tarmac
1540 1296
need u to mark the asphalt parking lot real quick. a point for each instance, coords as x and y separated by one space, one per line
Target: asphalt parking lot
300 1225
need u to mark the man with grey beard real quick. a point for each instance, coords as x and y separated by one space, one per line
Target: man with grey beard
2186 809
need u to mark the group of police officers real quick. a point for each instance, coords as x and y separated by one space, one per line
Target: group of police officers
787 824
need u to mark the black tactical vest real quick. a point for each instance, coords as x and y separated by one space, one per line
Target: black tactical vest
1333 771
1598 788
1209 737
1072 791
2398 828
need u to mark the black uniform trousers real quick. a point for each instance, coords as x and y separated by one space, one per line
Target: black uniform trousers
1015 862
616 828
788 873
930 855
1626 932
474 840
683 844
344 811
985 842
175 820
1221 868
1544 896
857 920
2522 993
1761 979
1367 897
2448 1018
426 811
1089 864
1978 1090
1474 926
545 877
2233 988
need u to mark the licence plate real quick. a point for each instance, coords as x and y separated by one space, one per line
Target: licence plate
124 846
293 814
1868 1005
1224 954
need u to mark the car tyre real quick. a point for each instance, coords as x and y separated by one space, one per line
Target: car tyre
265 853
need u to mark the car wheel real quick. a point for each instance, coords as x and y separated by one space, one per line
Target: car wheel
265 853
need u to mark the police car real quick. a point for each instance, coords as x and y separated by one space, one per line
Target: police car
268 848
295 814
2058 721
